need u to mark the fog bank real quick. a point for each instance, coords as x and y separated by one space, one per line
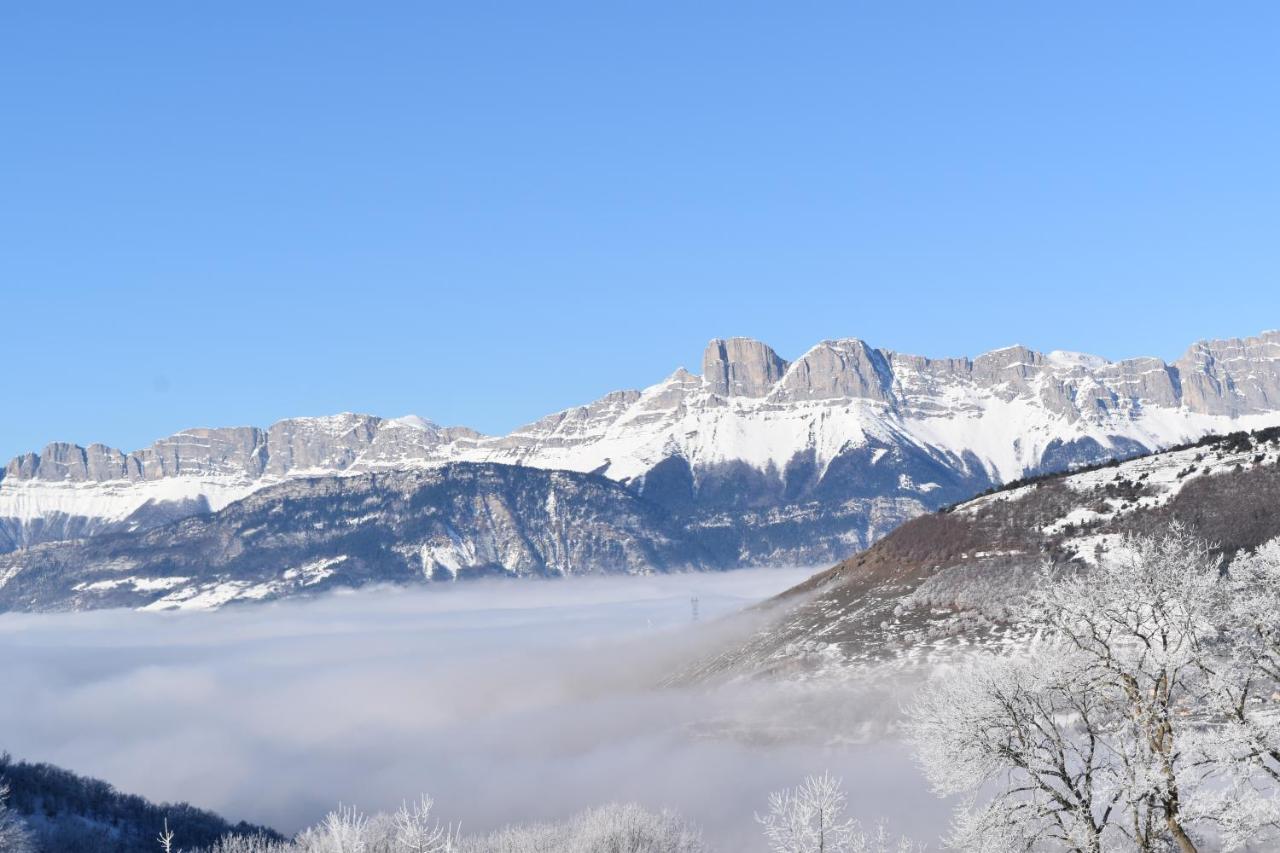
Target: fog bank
505 700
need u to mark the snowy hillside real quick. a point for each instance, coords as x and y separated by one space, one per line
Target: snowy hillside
955 578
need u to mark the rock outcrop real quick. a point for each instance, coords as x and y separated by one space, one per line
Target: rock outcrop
741 367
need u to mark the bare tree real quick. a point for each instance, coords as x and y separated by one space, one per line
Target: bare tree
417 831
810 819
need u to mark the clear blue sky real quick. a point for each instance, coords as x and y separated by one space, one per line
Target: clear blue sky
229 213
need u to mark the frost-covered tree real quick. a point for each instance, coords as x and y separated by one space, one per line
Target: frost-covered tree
344 830
165 838
614 828
251 844
1240 742
1142 625
1027 733
410 829
416 830
1137 721
810 818
413 829
14 835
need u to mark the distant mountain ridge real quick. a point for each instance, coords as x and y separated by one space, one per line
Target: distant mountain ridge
304 536
779 461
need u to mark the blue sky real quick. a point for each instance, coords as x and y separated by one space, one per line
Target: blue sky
231 213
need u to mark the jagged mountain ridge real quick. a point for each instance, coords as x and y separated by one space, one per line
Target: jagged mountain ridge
828 451
308 535
947 581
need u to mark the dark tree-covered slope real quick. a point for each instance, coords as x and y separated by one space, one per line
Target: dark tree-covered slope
69 813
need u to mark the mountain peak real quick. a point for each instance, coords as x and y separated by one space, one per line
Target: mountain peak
741 367
1066 358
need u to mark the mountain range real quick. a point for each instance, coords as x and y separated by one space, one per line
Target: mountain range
756 461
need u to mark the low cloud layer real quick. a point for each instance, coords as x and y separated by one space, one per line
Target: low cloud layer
506 701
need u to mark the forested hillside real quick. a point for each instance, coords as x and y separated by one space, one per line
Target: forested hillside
69 813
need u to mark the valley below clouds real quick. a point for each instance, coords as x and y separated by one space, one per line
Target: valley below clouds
505 701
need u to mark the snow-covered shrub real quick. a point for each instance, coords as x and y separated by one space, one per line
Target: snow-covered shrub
615 828
14 835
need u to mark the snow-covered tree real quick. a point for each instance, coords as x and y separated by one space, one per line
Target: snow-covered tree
1142 624
1028 734
165 838
410 829
251 844
1134 723
810 819
614 828
344 830
1240 741
413 829
14 835
416 830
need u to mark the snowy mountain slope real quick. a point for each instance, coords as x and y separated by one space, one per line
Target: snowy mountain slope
800 461
951 579
306 535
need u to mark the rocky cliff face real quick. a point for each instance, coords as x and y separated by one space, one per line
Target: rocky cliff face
298 446
305 535
775 461
741 367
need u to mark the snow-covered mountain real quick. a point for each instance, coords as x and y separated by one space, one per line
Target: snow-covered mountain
311 534
945 582
768 461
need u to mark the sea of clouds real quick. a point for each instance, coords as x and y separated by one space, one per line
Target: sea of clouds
505 700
